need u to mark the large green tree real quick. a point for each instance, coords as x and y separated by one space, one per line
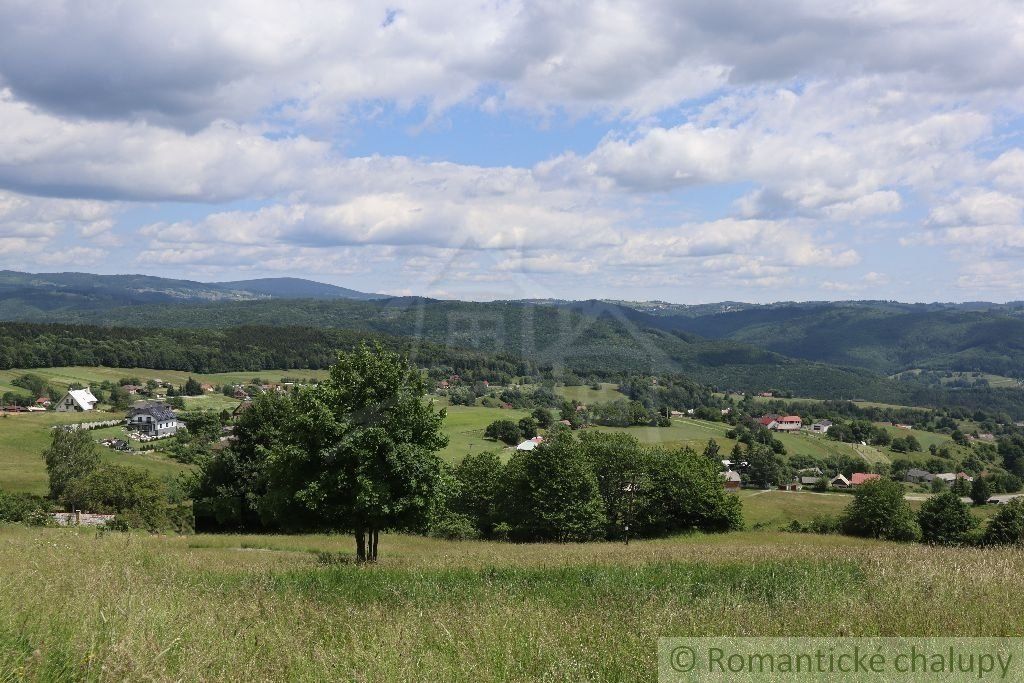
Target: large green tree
879 510
551 493
479 476
945 520
72 454
360 453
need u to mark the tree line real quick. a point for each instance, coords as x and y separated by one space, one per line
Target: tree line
357 453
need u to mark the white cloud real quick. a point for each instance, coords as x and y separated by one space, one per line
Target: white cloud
237 59
739 146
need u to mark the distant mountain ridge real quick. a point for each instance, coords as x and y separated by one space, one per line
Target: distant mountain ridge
34 296
739 340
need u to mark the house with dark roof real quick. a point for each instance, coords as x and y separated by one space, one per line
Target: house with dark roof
154 419
918 476
821 426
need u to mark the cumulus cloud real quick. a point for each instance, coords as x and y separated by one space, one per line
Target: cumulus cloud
738 147
237 59
37 230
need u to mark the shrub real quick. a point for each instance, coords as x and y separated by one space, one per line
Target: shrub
18 507
133 494
1007 526
455 527
824 524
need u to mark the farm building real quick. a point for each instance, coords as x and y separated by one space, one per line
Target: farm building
858 478
731 479
821 426
77 400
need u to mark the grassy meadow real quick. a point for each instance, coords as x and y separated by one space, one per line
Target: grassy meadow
290 607
23 436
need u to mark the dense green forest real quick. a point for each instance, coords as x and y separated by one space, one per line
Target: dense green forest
33 345
604 346
884 339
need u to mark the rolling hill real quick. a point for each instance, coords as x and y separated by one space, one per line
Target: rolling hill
882 337
42 296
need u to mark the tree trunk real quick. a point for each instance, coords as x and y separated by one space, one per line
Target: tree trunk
361 545
374 535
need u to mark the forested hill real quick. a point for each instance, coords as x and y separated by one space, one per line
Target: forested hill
605 343
46 296
884 338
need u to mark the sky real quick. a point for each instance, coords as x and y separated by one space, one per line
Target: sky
680 150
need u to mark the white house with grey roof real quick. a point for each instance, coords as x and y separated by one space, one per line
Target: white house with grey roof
156 419
77 400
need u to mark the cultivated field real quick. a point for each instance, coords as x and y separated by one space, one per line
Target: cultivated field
77 605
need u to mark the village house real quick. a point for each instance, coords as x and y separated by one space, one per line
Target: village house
530 444
809 480
821 426
858 478
77 400
791 486
132 389
156 419
839 482
769 421
789 423
731 479
43 402
918 476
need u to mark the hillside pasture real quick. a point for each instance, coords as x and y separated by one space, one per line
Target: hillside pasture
464 426
23 436
586 395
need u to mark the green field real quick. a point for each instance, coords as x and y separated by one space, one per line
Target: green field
87 375
776 509
465 427
23 437
244 608
586 395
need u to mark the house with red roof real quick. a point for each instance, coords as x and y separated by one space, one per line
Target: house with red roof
858 478
789 423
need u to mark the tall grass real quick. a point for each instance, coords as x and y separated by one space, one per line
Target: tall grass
78 605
